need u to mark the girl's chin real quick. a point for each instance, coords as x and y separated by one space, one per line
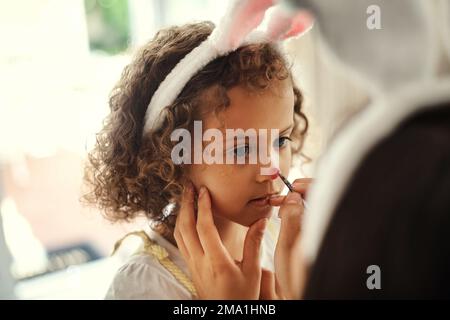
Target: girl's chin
257 213
249 215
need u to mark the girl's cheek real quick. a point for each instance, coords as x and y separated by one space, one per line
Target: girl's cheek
226 171
229 171
204 175
285 159
215 171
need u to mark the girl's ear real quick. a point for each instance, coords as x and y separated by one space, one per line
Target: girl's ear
284 24
242 17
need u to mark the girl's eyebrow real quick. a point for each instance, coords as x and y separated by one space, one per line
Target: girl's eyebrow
240 140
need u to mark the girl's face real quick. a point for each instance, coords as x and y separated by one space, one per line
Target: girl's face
236 188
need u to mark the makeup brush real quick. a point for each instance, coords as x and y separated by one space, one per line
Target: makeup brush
289 185
277 174
286 182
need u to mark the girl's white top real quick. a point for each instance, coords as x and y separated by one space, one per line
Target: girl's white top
143 277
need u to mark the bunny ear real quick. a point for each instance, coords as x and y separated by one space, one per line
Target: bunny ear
301 23
241 18
284 24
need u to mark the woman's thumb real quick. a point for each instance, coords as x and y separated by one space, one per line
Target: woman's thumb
252 246
290 213
267 289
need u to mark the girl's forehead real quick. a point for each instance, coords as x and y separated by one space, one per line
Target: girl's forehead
270 108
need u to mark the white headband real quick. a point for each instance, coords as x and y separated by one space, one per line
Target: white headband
236 28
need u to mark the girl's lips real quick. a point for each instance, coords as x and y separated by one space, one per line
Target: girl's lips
261 206
260 202
263 201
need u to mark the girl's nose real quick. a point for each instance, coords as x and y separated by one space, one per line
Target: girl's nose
270 173
275 174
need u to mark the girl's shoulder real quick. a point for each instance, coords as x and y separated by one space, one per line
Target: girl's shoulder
143 276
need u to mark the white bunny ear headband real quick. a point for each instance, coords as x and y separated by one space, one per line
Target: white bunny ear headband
237 28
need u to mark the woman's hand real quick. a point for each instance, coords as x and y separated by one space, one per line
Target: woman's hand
300 185
290 271
214 272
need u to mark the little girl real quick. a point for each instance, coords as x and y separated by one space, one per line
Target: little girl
132 171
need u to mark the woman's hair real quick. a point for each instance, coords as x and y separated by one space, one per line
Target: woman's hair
131 175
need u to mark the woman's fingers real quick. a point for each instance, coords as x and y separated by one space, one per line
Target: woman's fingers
287 254
276 201
300 186
290 213
185 224
207 231
214 272
267 290
181 246
252 247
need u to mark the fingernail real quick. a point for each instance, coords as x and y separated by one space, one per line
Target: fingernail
293 198
298 184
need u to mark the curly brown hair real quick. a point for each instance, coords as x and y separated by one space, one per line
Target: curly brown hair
130 174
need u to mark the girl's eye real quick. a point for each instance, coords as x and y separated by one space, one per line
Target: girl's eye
281 142
242 151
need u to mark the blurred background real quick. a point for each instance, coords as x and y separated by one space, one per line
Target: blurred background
58 62
59 59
